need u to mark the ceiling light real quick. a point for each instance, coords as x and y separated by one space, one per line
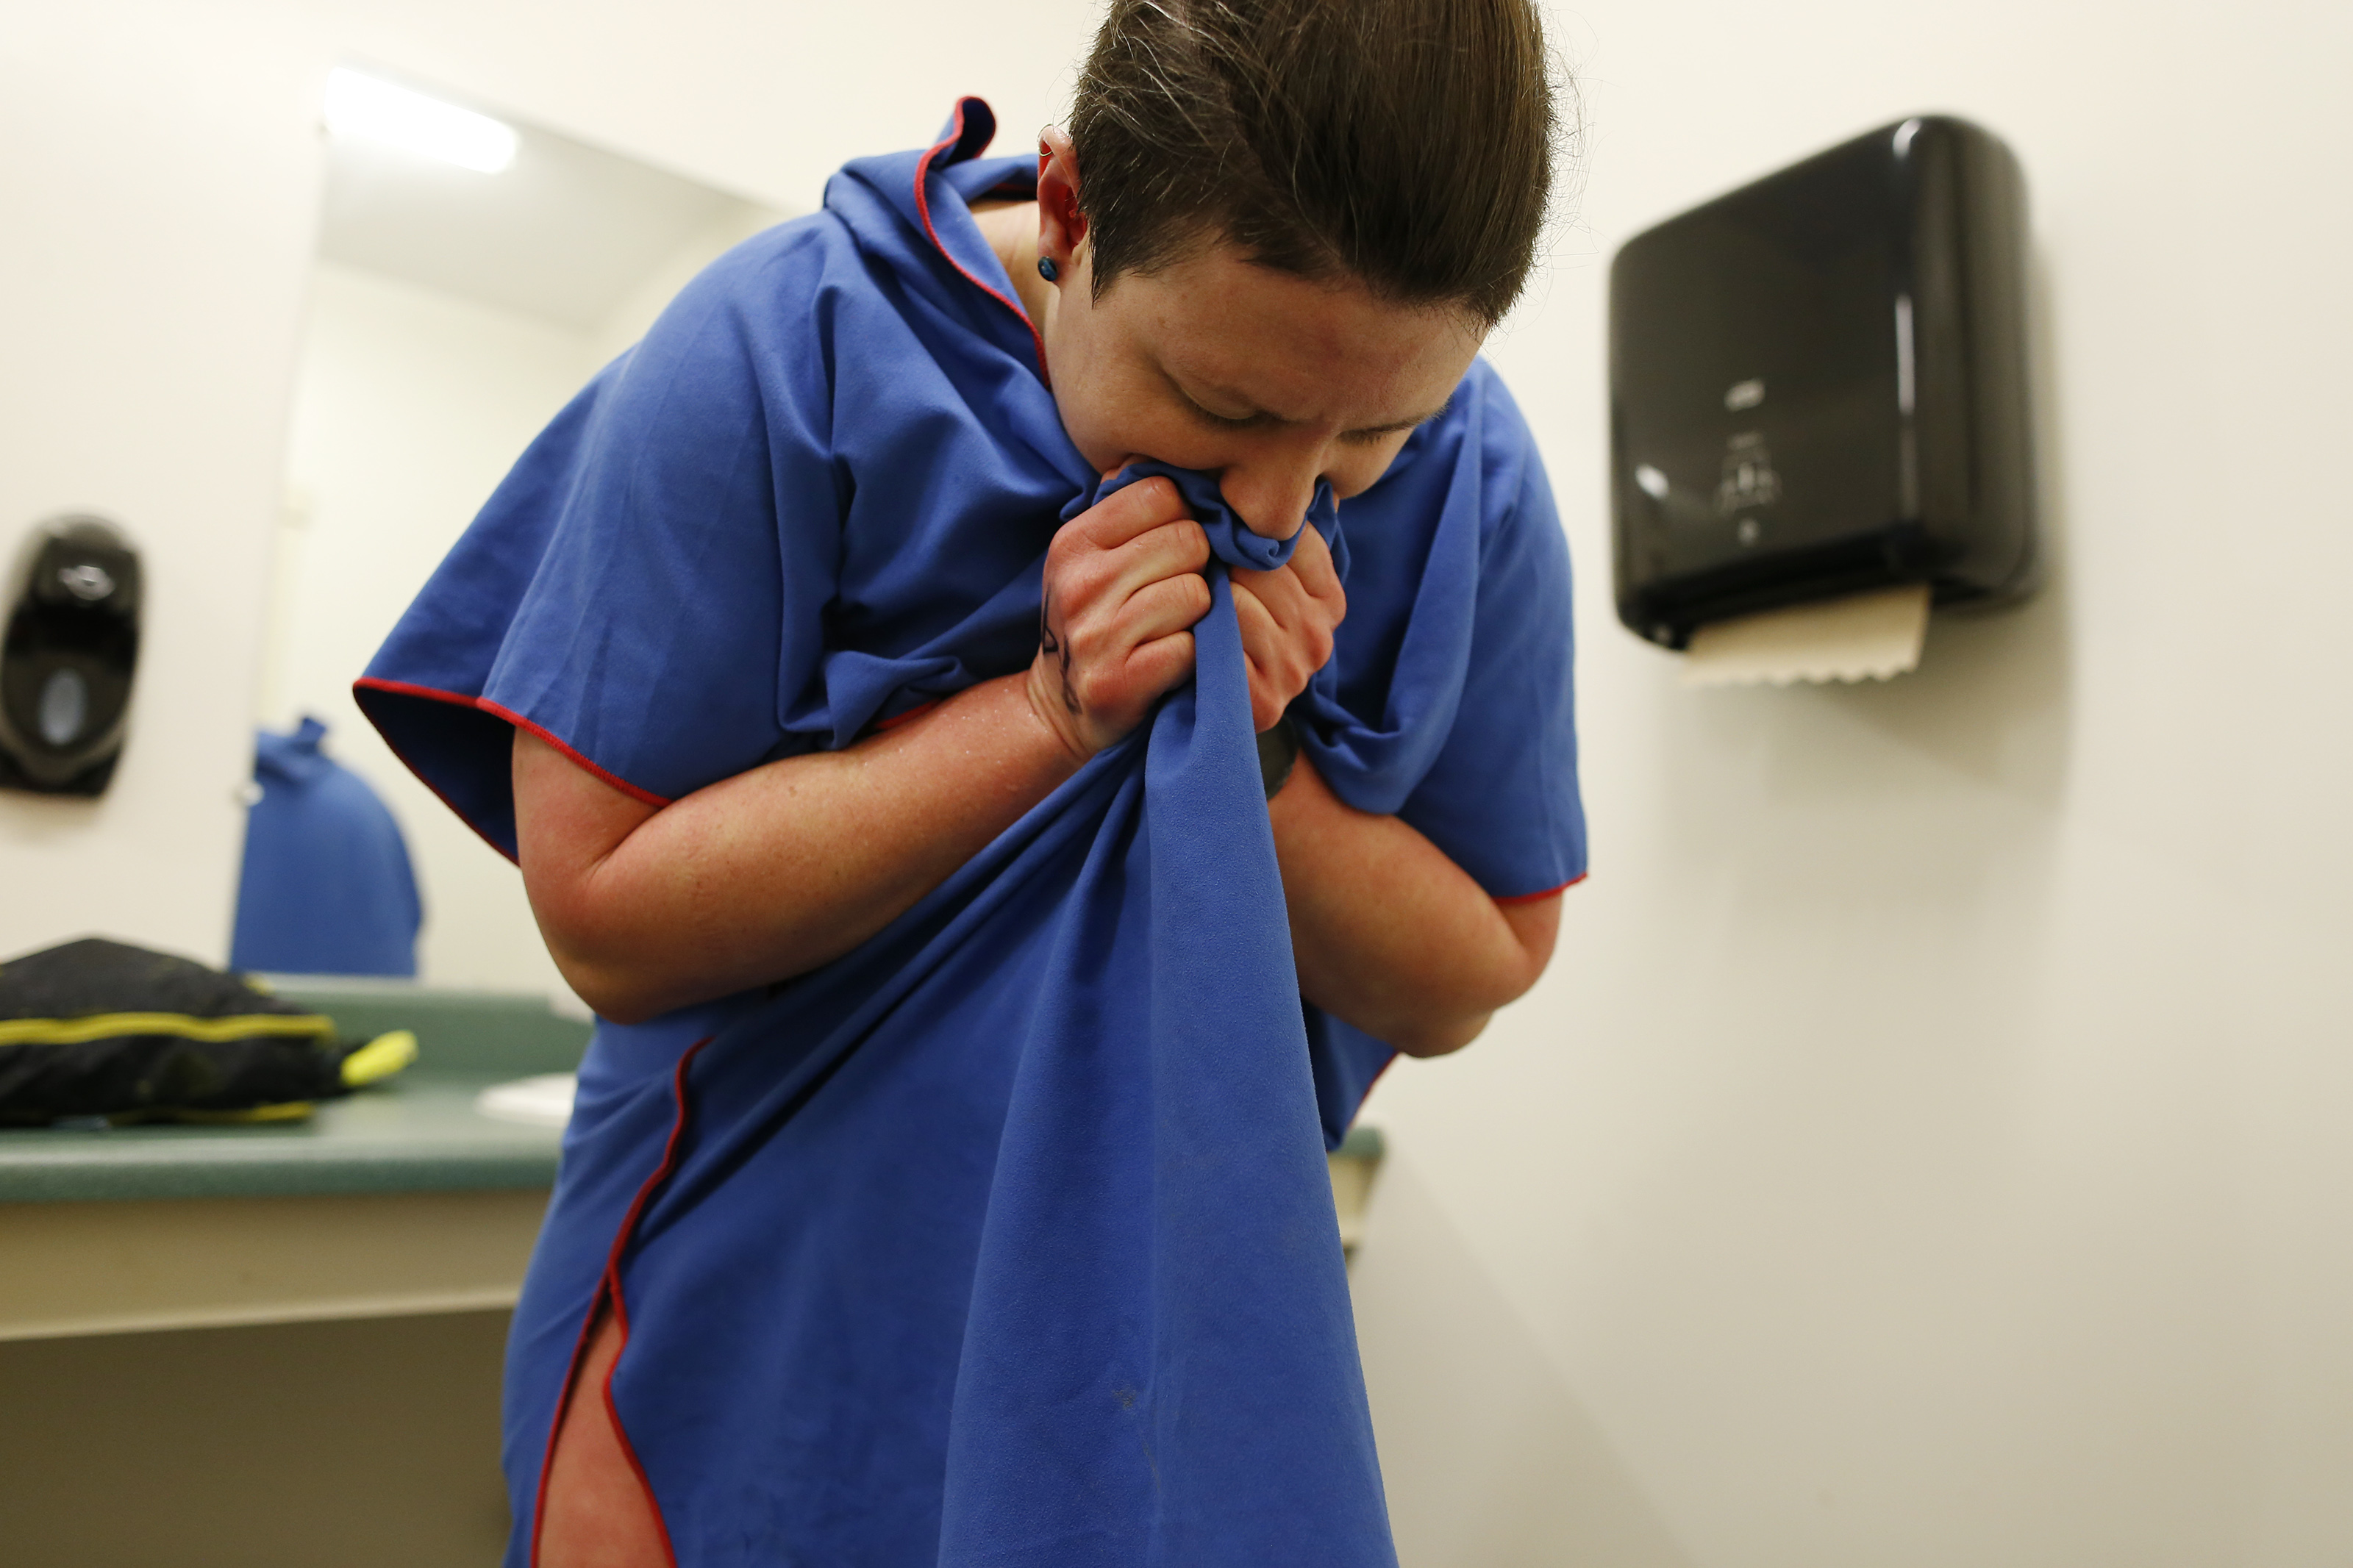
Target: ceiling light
364 107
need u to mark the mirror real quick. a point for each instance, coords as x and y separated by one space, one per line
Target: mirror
461 298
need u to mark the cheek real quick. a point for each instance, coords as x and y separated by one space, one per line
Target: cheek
1109 421
1101 410
1112 408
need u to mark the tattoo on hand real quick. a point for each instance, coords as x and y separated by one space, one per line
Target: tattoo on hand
1054 645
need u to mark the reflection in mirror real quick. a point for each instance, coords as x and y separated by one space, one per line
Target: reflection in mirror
459 301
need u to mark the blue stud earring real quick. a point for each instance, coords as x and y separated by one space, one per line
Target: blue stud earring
1047 269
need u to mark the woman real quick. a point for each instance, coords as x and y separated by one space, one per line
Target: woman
868 732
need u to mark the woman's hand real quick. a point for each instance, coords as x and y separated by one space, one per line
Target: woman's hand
1288 616
1122 588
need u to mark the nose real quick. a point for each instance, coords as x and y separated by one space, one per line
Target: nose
1271 498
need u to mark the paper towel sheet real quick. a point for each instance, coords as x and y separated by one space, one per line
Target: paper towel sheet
1873 635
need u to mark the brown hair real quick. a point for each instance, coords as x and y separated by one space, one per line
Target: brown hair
1406 144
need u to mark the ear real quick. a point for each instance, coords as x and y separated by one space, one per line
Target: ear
1062 226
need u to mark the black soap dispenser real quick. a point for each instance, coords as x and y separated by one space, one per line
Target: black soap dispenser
67 661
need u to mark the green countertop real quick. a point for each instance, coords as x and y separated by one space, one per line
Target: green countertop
419 1132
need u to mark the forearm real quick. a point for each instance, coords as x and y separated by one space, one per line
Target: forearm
1391 935
775 871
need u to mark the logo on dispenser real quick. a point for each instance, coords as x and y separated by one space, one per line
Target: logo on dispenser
88 582
1748 477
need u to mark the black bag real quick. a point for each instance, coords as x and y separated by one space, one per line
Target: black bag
97 1028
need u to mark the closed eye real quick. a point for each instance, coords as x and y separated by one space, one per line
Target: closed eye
1383 432
1369 437
1224 422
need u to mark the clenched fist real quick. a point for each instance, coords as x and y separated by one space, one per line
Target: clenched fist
1288 616
1122 590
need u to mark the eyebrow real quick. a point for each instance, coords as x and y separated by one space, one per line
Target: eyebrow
1259 417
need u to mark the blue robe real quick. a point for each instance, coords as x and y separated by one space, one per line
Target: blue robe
1006 1238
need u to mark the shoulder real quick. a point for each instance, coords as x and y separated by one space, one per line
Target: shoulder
759 293
746 345
796 255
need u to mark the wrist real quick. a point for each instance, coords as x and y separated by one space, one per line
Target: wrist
1045 697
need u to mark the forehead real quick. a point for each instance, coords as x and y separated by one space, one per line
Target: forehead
1307 350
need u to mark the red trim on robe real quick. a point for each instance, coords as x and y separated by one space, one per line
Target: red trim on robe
884 726
642 796
402 689
508 715
924 210
1547 893
609 1288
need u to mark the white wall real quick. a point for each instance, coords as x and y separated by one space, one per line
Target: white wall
156 236
1930 1145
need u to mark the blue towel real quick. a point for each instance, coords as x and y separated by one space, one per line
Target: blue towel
327 888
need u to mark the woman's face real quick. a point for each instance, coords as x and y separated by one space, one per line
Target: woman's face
1269 380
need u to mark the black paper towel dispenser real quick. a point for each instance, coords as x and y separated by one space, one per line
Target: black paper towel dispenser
1817 386
66 658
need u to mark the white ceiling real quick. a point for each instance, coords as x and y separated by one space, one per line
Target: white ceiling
565 232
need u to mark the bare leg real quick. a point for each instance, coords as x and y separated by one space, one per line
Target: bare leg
597 1512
